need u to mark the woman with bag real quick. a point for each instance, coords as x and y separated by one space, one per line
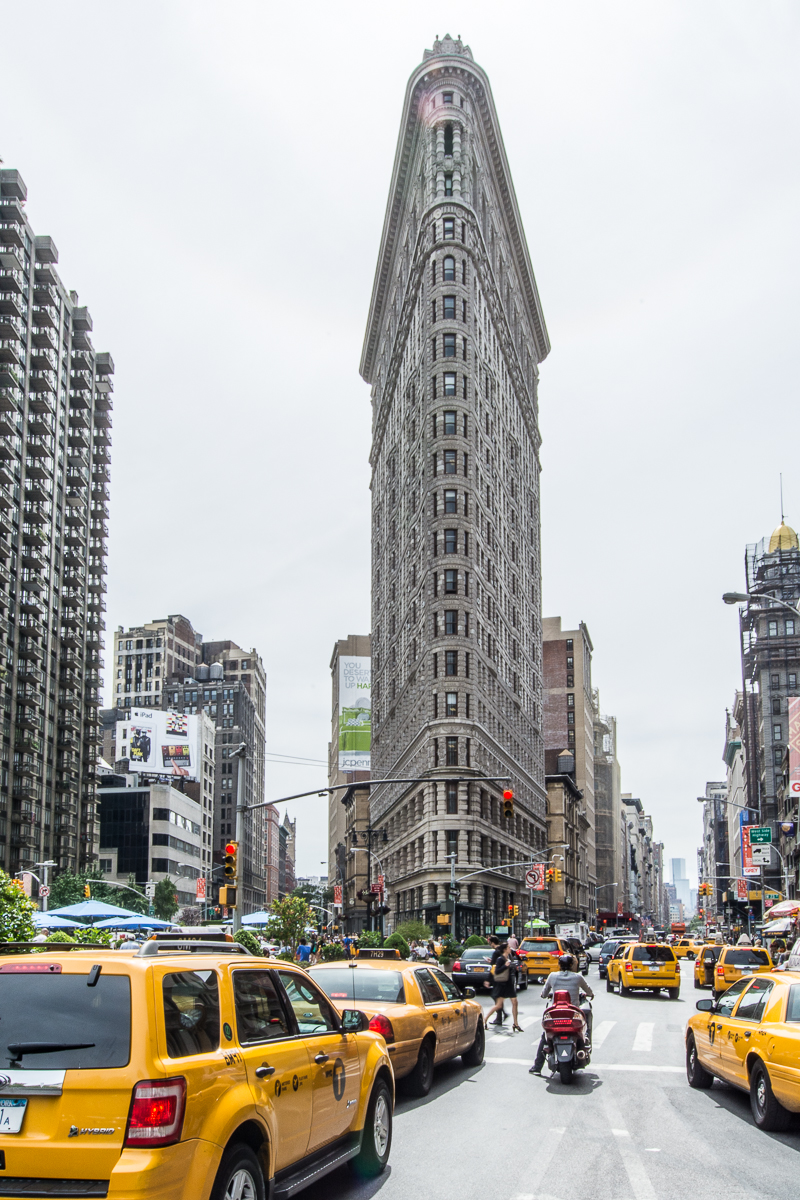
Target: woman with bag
505 985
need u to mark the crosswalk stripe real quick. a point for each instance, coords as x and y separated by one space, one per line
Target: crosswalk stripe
644 1036
601 1032
657 1067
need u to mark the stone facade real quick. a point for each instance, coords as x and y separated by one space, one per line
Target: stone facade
609 825
453 343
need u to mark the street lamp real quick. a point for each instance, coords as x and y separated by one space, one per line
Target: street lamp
743 597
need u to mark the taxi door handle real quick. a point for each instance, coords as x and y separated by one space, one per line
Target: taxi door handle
719 1027
436 1016
747 1033
321 1058
263 1072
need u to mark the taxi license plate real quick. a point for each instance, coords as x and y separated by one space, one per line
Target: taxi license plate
11 1114
655 968
479 969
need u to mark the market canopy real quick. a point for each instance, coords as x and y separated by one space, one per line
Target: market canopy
786 908
48 920
782 926
258 918
137 922
93 908
536 924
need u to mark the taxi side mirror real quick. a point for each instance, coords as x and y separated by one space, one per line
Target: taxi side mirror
705 1005
468 993
354 1021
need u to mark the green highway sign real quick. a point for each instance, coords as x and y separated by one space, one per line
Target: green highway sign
760 835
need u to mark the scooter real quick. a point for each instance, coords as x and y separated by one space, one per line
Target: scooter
566 1029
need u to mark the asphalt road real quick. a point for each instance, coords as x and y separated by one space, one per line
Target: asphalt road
628 1128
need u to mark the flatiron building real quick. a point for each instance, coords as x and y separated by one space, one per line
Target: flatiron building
452 349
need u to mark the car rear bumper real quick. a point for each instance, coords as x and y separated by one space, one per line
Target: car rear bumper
185 1171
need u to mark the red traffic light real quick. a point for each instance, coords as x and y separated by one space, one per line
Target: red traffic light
231 848
508 794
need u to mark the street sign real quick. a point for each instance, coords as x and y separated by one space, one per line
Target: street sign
760 835
151 912
44 890
760 855
150 891
534 878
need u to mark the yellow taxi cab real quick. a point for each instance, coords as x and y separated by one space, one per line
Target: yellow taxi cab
183 1070
421 1014
737 961
686 947
541 955
749 1037
644 966
705 962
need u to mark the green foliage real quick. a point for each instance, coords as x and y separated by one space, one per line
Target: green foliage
60 935
395 942
414 931
475 939
370 937
289 919
246 938
67 888
16 912
451 948
286 955
98 937
332 952
165 900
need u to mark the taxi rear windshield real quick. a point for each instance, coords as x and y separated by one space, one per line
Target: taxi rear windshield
652 954
359 983
540 947
56 1021
747 958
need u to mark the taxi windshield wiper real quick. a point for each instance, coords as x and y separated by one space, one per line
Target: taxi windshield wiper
17 1049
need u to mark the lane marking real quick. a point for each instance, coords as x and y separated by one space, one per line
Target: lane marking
638 1178
601 1032
528 1062
545 1153
644 1036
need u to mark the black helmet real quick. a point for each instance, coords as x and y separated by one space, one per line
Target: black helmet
565 962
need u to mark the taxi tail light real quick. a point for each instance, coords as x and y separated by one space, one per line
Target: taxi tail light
382 1025
457 965
156 1115
628 966
720 970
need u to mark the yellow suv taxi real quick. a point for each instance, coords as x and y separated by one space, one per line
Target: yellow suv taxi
686 947
421 1014
184 1070
704 964
644 966
737 961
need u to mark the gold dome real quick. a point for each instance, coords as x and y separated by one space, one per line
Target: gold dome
784 538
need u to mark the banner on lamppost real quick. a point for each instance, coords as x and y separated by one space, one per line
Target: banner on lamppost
200 889
741 889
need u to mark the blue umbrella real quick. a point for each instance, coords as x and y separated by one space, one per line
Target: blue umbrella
258 918
133 923
93 908
48 920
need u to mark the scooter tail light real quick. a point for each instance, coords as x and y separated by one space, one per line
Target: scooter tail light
156 1113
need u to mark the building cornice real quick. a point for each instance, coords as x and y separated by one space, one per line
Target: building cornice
461 69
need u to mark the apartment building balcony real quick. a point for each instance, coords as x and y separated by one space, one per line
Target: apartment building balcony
70 618
11 376
30 673
80 380
27 742
29 627
12 281
32 580
5 575
101 472
43 381
78 438
43 358
39 447
36 512
45 295
103 402
41 402
32 558
24 789
28 768
44 338
33 535
75 537
12 305
11 258
76 515
81 398
10 400
102 419
29 649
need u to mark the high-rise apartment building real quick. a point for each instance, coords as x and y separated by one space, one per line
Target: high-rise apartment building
167 664
569 725
609 832
452 350
55 439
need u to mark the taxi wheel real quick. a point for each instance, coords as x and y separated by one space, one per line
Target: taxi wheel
239 1177
690 956
696 984
377 1139
673 993
609 985
474 1056
696 1073
419 1082
768 1113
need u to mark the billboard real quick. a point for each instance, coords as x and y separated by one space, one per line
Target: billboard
748 866
355 713
794 747
161 743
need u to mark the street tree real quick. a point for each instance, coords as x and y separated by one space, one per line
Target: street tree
16 911
165 900
289 920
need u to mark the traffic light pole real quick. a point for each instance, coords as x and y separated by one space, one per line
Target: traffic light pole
241 753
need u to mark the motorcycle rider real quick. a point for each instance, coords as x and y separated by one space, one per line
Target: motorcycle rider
565 979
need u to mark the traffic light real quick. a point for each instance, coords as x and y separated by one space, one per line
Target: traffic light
231 856
508 803
550 874
516 910
511 910
705 889
557 874
87 891
227 897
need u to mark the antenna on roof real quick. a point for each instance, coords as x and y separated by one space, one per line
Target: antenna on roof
780 477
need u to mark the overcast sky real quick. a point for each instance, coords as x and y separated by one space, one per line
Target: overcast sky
215 177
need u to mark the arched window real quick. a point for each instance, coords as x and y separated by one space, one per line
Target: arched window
448 139
449 266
